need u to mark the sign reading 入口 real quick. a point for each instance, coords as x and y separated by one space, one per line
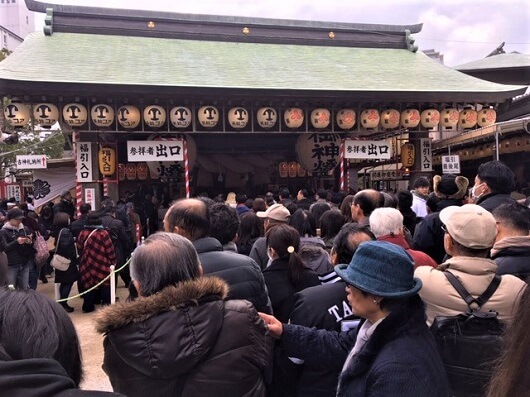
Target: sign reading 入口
31 161
155 151
451 164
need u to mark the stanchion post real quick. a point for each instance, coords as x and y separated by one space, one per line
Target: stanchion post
57 291
112 285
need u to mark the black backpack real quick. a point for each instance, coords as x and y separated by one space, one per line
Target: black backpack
469 343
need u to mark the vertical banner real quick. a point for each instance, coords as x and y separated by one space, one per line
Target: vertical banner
342 173
90 198
84 162
426 154
78 187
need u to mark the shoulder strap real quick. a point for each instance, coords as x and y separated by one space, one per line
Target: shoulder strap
59 238
466 296
90 235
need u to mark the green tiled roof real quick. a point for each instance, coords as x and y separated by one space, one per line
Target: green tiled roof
500 61
120 60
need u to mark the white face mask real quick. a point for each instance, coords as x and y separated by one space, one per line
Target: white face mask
474 196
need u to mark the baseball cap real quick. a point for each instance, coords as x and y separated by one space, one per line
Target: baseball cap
470 225
277 212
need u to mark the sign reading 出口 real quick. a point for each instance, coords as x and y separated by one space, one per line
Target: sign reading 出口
155 151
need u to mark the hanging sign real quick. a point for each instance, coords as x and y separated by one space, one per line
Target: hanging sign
13 190
31 161
451 164
155 150
84 162
356 149
107 161
426 154
90 198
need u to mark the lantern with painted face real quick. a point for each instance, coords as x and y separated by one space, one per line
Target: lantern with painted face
75 114
102 115
107 161
45 114
430 118
267 117
370 118
128 116
238 117
154 116
449 118
320 118
486 116
208 116
17 114
180 117
410 118
345 118
468 118
294 117
390 118
142 171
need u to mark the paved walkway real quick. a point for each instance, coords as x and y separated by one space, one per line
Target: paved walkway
91 342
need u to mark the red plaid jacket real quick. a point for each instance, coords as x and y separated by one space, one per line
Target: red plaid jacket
96 257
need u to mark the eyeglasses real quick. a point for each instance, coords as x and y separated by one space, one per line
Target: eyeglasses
444 229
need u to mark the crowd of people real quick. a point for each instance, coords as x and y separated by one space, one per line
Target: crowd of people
280 295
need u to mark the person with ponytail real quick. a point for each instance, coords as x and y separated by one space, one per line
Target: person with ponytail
286 275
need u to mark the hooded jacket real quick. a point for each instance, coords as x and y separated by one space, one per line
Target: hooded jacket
184 341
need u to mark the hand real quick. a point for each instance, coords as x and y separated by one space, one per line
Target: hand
274 326
22 240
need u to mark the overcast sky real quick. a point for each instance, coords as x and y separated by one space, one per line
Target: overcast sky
462 30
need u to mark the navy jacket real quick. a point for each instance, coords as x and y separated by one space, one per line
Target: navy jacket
493 200
514 260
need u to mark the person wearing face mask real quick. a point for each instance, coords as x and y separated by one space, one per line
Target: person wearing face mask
493 184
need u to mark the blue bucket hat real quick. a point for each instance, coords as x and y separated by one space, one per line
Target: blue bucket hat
381 269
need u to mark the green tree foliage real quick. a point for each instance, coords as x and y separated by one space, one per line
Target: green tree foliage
51 146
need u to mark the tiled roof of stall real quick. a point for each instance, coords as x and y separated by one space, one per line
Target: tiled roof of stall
500 61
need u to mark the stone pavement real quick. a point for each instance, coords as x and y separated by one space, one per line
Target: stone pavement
91 342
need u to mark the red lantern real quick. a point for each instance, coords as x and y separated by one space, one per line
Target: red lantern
142 171
284 169
121 172
293 169
130 171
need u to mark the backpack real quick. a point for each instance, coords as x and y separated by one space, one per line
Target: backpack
469 343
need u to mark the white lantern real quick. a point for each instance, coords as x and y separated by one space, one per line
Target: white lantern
449 118
346 118
468 118
370 118
320 118
128 116
430 118
267 117
208 116
410 118
17 114
294 117
75 114
238 117
154 116
180 117
486 116
45 114
102 115
390 118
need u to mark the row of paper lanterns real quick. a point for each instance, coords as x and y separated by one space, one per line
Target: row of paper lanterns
154 116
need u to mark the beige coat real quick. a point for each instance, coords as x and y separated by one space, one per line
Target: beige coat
441 299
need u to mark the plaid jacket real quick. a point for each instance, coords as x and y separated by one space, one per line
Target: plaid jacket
96 257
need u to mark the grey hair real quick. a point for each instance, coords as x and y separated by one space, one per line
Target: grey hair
164 259
385 221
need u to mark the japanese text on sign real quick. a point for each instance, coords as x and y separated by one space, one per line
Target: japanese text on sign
426 154
84 162
155 151
31 161
90 198
367 149
451 164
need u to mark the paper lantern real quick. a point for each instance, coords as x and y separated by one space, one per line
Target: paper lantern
17 114
407 154
468 118
293 169
284 169
180 117
370 118
238 117
154 116
121 172
320 118
142 171
208 116
486 117
318 153
430 118
300 171
102 115
75 114
45 114
107 161
390 118
449 118
267 117
410 118
294 117
128 116
345 118
130 171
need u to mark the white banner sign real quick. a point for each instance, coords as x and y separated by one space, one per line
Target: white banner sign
84 162
451 164
49 185
155 151
376 150
13 191
90 197
426 154
31 161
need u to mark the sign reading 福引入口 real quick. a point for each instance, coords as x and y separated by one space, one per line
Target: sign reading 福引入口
451 164
84 162
155 151
426 154
357 149
31 161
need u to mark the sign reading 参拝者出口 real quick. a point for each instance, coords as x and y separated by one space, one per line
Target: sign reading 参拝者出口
31 161
357 149
155 151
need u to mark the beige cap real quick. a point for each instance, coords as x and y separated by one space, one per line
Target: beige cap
277 212
470 225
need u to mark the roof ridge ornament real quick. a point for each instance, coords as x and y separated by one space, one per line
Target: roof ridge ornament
409 41
48 22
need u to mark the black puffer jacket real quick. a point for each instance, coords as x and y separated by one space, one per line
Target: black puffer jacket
185 341
17 254
514 257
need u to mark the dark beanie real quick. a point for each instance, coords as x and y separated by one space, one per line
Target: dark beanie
450 186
